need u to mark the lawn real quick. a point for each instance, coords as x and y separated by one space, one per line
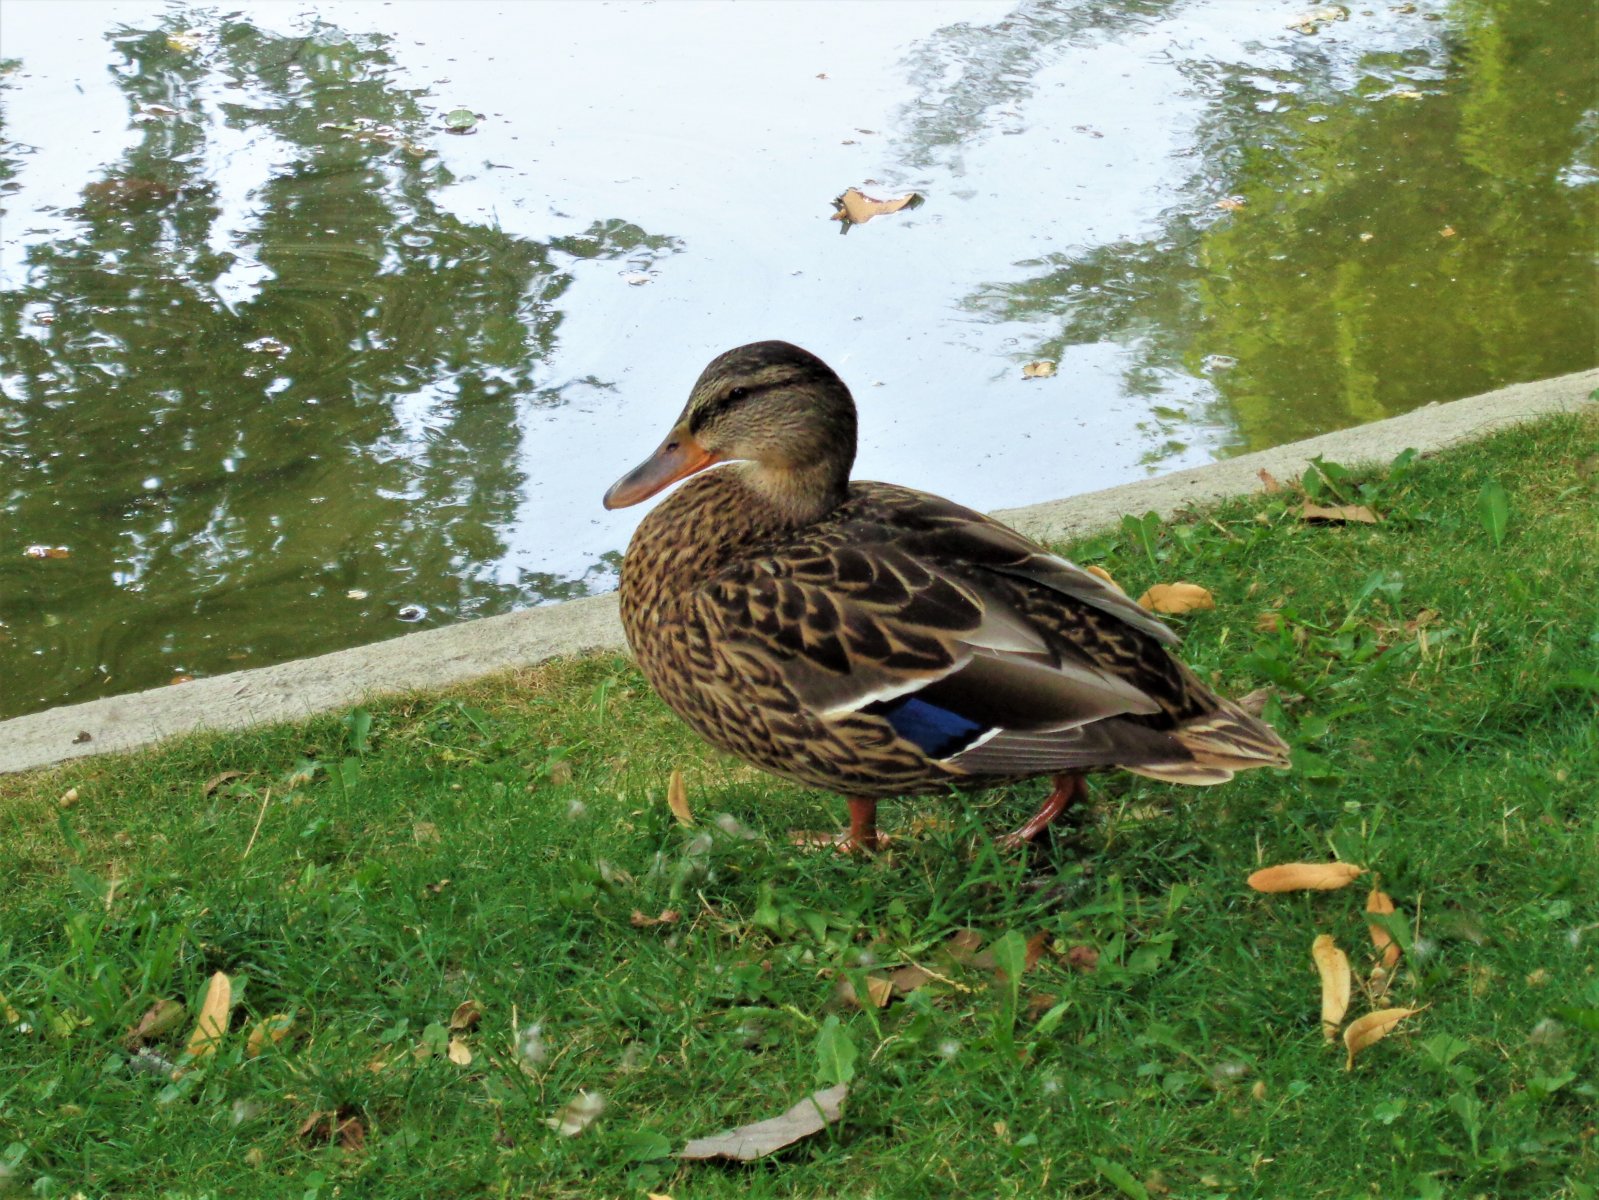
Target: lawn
508 848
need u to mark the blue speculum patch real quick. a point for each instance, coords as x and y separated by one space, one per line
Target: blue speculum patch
939 732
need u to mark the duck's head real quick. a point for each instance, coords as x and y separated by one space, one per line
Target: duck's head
778 410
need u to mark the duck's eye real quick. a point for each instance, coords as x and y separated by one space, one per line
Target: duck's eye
738 393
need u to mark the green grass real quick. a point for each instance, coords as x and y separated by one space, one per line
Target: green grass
1437 674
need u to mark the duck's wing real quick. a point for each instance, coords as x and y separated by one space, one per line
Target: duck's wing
948 627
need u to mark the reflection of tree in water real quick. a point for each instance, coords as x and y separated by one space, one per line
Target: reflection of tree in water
247 406
966 73
1392 249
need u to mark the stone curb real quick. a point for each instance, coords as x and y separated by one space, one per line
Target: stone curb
437 658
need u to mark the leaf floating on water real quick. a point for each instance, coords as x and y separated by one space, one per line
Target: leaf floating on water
184 41
46 552
1312 21
1232 203
1337 514
677 799
461 120
1372 1028
1332 964
213 1021
578 1115
855 207
1298 877
749 1142
1042 369
1176 598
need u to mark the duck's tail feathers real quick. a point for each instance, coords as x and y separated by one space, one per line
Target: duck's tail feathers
1230 739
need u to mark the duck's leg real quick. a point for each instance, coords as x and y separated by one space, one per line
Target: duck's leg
862 833
861 837
1068 790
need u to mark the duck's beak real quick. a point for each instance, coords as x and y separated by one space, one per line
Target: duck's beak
678 457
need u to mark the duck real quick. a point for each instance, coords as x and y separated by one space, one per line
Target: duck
876 641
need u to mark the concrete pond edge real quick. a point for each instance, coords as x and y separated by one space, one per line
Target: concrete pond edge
437 658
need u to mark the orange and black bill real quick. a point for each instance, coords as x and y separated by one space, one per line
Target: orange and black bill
678 457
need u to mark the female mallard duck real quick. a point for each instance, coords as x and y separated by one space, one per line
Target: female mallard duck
878 641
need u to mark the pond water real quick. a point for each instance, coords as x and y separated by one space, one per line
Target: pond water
289 365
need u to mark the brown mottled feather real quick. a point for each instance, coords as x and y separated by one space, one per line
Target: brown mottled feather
772 635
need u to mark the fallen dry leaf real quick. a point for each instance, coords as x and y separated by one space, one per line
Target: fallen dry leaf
677 798
1083 958
1269 481
855 207
1332 964
216 781
467 1014
459 1053
578 1114
1372 1028
642 920
1176 598
160 1019
879 991
213 1020
1232 203
908 978
748 1142
69 799
1254 703
963 945
1382 904
1295 877
8 1014
1447 231
47 552
424 832
1042 369
268 1032
1337 514
1312 21
342 1125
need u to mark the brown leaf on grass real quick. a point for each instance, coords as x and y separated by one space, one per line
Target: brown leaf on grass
879 991
677 798
1176 598
1332 964
466 1015
8 1014
1298 877
855 207
963 945
1337 514
213 1020
459 1053
1254 703
578 1114
1382 904
1099 572
216 781
1372 1028
1269 481
341 1125
160 1019
424 833
748 1142
1083 958
1042 369
642 920
905 980
268 1032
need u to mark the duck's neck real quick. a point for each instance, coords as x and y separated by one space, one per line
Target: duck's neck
793 497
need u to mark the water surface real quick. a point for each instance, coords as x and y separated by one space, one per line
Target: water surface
288 366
